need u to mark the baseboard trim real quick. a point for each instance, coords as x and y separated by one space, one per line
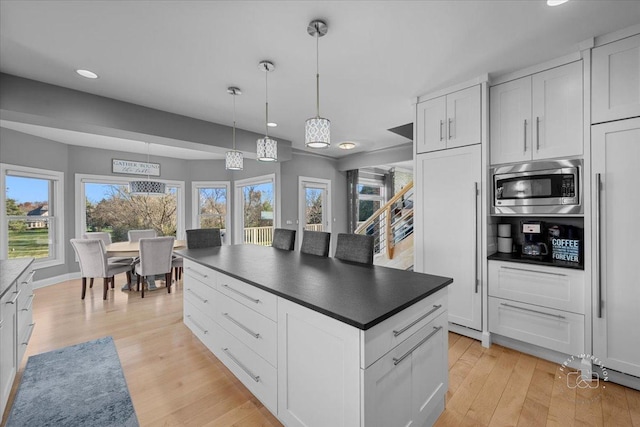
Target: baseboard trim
37 284
467 332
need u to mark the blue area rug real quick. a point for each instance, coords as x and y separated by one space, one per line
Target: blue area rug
79 385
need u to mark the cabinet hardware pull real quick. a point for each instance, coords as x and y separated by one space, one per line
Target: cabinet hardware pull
29 278
441 124
537 133
418 320
524 139
204 300
32 326
598 249
197 272
28 308
256 378
15 298
241 326
449 129
533 311
242 294
475 239
534 271
415 347
204 331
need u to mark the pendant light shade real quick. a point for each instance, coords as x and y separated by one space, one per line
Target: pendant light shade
234 159
317 130
148 187
266 148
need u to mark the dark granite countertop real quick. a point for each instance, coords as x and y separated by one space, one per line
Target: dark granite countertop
10 270
356 294
516 257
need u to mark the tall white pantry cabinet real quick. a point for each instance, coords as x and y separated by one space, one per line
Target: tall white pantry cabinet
448 184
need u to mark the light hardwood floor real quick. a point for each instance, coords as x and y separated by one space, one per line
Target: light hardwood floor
175 381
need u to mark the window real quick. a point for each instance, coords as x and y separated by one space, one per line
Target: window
32 221
211 206
255 210
371 197
103 203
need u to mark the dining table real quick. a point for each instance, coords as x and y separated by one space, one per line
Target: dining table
132 249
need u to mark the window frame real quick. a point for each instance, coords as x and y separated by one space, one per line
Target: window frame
238 203
56 192
195 205
80 206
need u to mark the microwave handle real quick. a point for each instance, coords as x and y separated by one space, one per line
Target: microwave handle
475 229
524 136
598 249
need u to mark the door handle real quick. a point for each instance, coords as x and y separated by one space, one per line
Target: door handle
598 248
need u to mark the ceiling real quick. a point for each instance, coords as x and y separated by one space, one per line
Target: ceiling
378 56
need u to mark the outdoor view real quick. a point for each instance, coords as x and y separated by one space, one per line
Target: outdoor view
27 208
313 209
258 213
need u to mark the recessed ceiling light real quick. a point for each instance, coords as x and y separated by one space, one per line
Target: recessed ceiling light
555 2
347 145
272 125
88 74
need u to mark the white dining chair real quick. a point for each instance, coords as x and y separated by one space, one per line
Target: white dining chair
136 235
155 258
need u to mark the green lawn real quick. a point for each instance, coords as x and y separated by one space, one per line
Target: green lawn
29 243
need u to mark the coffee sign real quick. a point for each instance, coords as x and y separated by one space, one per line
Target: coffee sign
565 250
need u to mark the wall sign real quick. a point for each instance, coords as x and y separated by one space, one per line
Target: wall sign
135 168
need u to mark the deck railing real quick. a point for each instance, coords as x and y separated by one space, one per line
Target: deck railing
264 235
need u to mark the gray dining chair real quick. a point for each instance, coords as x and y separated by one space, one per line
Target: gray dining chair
92 256
200 238
355 248
155 259
315 242
136 235
106 239
284 239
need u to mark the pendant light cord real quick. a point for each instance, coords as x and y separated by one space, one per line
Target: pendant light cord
234 119
317 70
266 105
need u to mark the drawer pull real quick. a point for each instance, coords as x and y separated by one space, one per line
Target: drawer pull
533 271
204 300
241 326
29 278
204 331
533 311
415 347
418 320
242 294
197 272
32 326
15 298
28 307
256 378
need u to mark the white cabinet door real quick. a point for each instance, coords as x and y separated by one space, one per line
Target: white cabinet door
615 80
510 121
431 125
8 352
448 227
616 150
406 385
557 112
463 117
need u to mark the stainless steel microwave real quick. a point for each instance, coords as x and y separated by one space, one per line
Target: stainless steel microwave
547 187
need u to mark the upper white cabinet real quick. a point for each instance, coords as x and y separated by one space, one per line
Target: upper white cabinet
449 121
538 117
616 80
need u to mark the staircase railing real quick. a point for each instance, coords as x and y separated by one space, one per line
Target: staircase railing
392 223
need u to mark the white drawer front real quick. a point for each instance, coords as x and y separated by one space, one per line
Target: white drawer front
560 288
255 373
391 332
554 329
256 299
200 295
248 326
200 273
200 324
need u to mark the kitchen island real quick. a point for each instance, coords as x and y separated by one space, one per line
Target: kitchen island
321 341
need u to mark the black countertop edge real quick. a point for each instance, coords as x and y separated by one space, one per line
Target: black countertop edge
321 310
517 258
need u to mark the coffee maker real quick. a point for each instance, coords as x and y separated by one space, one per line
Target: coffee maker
534 243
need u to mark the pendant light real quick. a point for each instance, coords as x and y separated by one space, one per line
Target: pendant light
148 187
267 148
317 130
233 160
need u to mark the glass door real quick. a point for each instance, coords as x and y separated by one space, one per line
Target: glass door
314 205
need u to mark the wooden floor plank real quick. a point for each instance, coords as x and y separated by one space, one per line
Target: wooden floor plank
512 400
